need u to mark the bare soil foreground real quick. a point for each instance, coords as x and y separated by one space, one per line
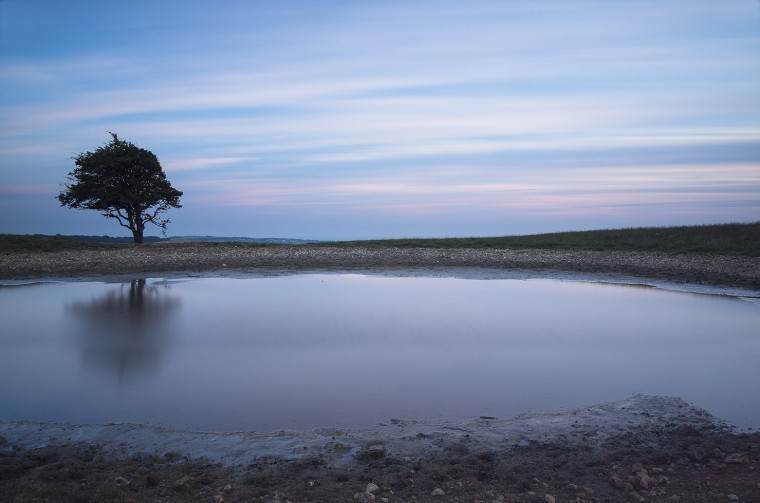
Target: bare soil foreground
643 448
731 270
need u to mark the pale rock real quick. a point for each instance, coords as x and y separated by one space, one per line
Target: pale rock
371 488
438 492
736 459
121 481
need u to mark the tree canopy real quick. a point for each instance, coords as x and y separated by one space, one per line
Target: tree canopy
124 182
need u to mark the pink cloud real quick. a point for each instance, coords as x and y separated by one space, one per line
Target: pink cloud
29 190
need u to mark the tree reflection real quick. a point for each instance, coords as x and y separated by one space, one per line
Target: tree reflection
126 330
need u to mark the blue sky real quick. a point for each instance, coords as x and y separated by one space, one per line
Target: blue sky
361 119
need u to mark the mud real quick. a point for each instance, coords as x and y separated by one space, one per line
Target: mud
644 448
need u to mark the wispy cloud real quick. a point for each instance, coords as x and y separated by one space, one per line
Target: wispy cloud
578 190
203 163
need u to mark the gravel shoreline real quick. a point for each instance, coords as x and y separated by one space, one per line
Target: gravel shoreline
723 270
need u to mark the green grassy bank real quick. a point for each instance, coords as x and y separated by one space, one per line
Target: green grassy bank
19 243
728 239
731 239
10 243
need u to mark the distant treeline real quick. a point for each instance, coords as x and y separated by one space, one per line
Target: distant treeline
106 239
219 239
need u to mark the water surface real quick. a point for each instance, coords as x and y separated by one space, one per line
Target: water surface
304 351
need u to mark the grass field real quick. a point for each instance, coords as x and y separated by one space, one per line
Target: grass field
729 239
732 239
10 243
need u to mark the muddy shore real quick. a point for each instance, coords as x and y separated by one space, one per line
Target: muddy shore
642 448
738 271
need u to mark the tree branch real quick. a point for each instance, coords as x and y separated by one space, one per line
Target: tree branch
152 218
117 214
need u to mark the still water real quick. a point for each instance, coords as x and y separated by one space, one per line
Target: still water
303 351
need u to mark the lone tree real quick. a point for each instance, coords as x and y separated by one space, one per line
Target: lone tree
122 181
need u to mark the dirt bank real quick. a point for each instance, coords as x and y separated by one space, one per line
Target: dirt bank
736 271
643 448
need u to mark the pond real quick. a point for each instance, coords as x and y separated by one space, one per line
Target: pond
312 350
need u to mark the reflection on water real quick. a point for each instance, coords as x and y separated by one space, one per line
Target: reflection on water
124 331
346 349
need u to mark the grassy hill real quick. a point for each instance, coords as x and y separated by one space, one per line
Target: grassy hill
732 239
10 243
729 239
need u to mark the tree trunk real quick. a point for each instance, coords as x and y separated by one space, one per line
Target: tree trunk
138 235
137 225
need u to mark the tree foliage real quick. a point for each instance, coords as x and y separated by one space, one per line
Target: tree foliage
124 182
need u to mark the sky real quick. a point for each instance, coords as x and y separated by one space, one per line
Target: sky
343 119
